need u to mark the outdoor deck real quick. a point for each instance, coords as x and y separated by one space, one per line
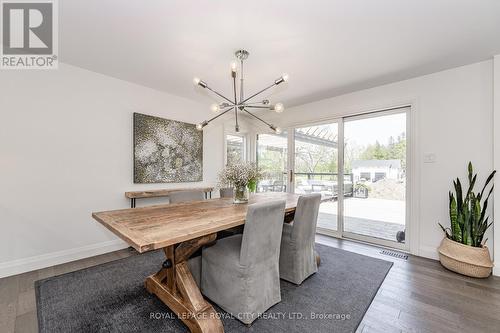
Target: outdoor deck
370 217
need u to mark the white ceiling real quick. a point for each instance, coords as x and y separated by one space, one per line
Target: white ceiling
327 47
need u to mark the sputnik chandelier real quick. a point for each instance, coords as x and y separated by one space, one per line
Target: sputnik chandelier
244 104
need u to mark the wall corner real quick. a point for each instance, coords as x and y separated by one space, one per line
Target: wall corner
496 162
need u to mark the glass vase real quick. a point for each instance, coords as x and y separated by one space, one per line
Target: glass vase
240 194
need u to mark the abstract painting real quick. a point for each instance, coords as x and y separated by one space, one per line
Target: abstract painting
166 151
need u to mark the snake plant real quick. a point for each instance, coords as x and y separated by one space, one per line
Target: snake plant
467 213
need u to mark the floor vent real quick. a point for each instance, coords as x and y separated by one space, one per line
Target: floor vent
395 254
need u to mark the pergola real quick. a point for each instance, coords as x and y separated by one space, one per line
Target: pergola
325 135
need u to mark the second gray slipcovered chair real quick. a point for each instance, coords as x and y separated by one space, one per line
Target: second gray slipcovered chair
241 273
186 196
297 255
226 192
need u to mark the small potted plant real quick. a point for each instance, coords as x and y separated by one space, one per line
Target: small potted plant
463 248
241 176
361 190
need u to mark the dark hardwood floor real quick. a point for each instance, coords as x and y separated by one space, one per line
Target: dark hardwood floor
418 295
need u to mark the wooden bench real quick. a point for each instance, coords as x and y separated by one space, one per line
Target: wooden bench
163 193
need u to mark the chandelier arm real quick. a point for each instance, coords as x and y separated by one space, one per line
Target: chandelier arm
258 93
220 95
258 118
258 103
220 114
258 107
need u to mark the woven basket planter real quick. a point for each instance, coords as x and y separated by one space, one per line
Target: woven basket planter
465 259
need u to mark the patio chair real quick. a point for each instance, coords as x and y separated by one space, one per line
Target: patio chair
278 186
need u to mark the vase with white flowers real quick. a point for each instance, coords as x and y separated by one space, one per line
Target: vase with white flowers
240 176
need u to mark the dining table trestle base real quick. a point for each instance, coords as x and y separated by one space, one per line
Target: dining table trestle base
175 286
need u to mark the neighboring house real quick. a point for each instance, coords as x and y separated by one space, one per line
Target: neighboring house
373 170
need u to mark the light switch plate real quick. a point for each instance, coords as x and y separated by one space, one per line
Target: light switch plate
429 158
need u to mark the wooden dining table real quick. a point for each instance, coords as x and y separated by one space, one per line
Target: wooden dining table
180 230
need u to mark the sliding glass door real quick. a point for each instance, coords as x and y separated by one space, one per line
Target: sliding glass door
359 166
375 158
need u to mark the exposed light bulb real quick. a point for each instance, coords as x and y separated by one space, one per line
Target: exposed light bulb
279 107
283 78
200 126
278 130
234 66
215 108
196 81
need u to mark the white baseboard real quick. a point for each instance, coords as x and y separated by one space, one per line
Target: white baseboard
496 271
428 252
60 257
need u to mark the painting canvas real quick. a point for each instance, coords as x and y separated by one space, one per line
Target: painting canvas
166 151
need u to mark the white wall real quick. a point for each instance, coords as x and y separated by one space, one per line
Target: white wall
66 151
452 115
496 153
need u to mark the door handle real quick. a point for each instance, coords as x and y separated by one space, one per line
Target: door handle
291 176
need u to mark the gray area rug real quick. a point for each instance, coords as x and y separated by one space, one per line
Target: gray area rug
111 298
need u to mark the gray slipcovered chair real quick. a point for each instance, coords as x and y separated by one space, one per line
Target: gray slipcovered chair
226 192
297 254
186 196
241 273
194 264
